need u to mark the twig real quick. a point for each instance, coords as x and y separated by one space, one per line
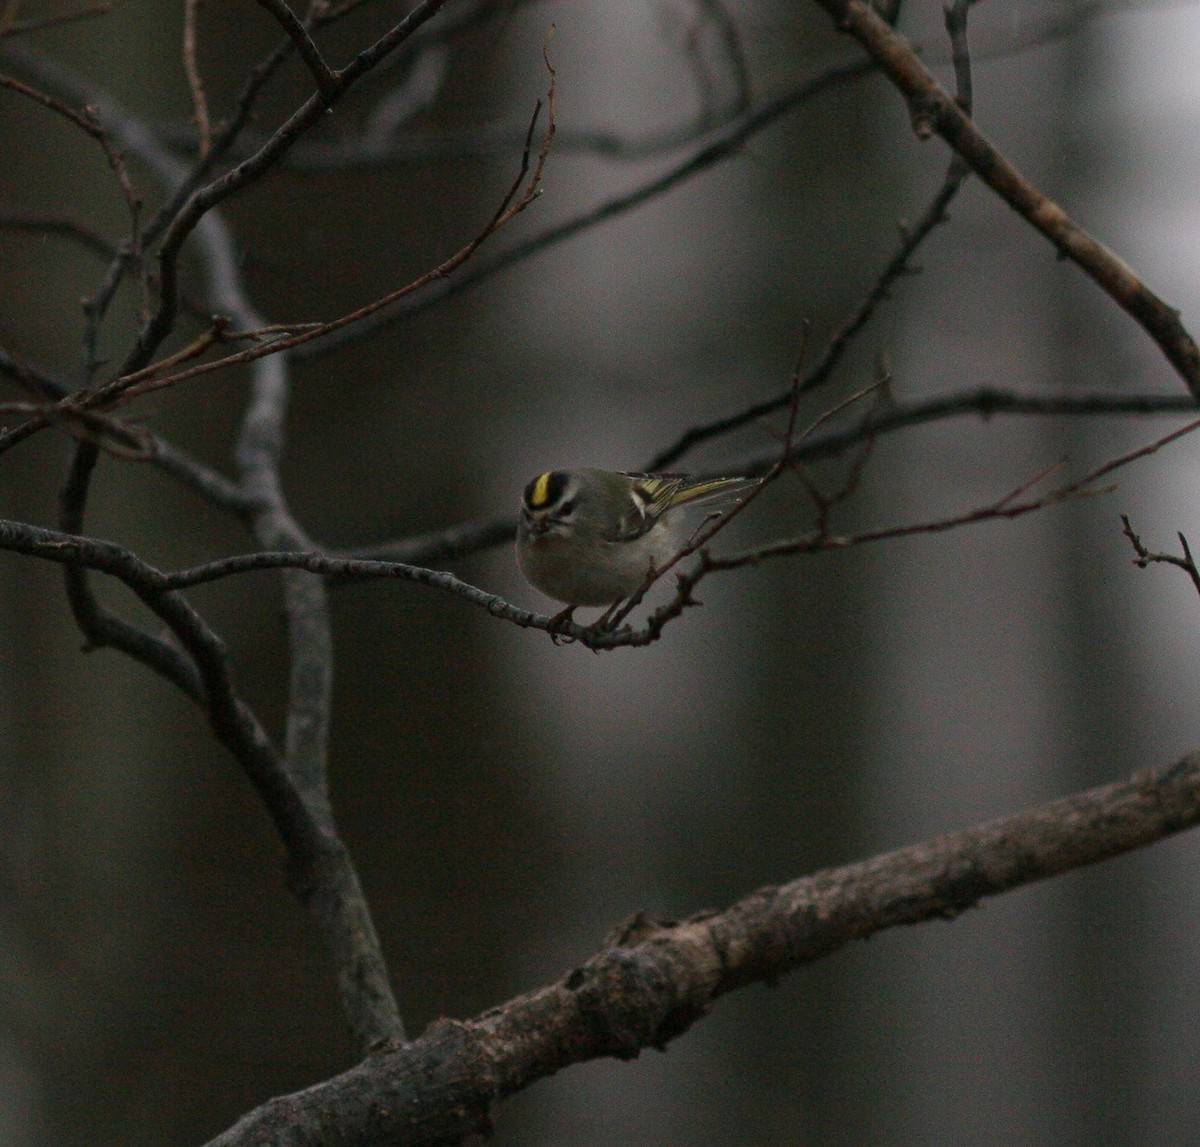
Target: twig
324 877
720 146
1145 557
85 236
131 252
83 121
149 379
201 201
24 27
718 522
87 122
195 81
329 83
472 537
215 487
73 549
911 239
122 440
1011 505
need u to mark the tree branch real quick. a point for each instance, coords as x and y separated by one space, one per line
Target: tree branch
654 979
328 84
933 110
472 537
293 787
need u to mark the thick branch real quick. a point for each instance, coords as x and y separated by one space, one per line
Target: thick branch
655 980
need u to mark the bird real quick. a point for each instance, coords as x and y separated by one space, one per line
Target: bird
592 537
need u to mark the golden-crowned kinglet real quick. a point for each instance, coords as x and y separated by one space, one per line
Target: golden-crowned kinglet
590 537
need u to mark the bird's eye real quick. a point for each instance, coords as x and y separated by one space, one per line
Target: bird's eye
567 508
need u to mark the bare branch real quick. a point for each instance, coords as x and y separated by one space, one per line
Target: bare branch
84 120
323 877
329 84
933 110
719 146
195 82
86 237
151 378
1011 505
1145 557
320 870
74 550
654 980
24 27
121 439
471 537
203 200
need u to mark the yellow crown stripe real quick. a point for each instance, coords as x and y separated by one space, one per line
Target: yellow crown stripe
539 495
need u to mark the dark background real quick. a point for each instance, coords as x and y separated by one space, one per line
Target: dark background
508 802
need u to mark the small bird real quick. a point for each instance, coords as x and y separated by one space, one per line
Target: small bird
591 537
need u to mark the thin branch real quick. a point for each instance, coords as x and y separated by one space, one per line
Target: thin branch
1145 557
719 521
328 83
195 81
933 110
24 27
898 266
121 439
204 199
87 122
654 980
133 133
85 236
373 147
321 873
199 666
215 487
1012 505
323 877
475 536
150 378
719 146
81 119
72 549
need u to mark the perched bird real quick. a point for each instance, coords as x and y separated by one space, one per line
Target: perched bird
591 537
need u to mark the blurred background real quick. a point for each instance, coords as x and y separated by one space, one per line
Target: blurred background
508 801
